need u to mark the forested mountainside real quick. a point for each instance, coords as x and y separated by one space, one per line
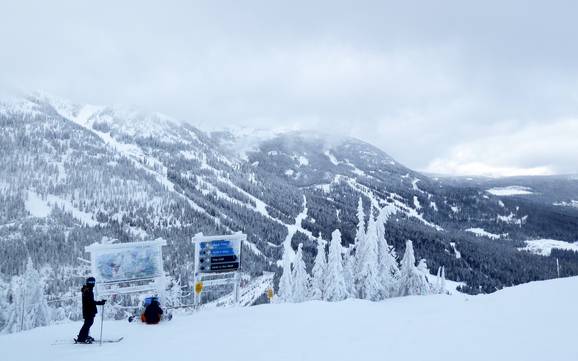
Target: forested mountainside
72 175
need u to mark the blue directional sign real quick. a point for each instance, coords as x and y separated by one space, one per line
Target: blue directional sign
216 244
219 254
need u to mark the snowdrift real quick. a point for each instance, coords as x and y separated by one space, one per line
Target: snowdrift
535 321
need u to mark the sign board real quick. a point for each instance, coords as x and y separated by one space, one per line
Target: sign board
217 254
270 294
126 267
217 257
198 287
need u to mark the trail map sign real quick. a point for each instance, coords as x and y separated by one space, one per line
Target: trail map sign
218 260
127 267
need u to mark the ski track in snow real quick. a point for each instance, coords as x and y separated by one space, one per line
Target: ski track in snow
517 323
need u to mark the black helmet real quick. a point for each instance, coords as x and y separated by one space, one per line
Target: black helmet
90 281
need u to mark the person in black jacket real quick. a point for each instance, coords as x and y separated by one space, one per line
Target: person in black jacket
88 310
152 313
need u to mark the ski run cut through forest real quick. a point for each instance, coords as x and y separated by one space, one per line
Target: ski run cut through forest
529 322
337 235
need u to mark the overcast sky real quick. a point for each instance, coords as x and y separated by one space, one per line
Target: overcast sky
459 87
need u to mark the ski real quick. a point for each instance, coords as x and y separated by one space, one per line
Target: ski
96 342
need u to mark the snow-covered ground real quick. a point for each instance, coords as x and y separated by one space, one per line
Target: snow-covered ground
480 232
572 203
510 191
529 322
543 247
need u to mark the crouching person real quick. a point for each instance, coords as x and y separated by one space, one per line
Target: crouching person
152 313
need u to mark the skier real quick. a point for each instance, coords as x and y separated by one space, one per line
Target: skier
88 310
153 312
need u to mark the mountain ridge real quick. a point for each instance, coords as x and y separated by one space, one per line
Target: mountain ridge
173 180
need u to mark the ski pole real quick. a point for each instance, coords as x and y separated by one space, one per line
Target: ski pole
101 322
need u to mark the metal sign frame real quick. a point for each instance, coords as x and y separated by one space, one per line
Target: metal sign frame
153 282
218 277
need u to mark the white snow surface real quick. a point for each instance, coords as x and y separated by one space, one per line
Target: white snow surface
458 253
36 206
517 323
543 247
572 203
510 191
331 157
480 232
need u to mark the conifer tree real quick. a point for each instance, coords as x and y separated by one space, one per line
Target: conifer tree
438 287
301 280
349 271
368 278
29 302
336 288
5 306
359 248
387 260
411 281
443 282
319 272
425 274
285 292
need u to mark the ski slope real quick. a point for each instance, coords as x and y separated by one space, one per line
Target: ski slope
535 321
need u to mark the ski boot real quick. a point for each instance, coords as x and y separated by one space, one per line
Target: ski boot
87 341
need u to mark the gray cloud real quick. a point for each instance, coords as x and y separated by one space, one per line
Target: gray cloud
435 84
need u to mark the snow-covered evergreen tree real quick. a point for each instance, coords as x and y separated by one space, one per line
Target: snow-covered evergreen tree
438 286
349 271
336 288
301 279
29 302
358 248
318 285
368 278
171 293
443 282
387 259
285 293
425 274
411 279
5 306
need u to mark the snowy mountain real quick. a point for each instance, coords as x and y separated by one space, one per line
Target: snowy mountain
516 323
72 174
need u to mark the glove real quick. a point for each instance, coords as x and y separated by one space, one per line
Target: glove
103 302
